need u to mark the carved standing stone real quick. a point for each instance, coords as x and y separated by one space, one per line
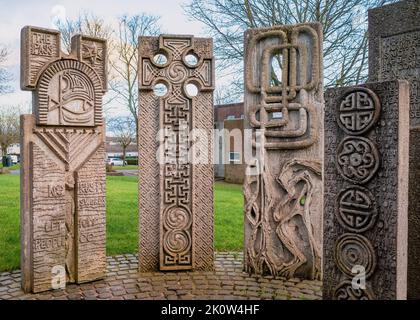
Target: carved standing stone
283 199
176 195
394 53
366 185
63 161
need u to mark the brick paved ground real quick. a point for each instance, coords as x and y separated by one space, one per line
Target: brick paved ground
124 282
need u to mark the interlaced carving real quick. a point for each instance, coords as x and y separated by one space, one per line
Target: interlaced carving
176 111
357 159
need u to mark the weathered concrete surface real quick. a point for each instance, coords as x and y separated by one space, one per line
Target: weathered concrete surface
283 186
176 192
366 190
394 53
63 161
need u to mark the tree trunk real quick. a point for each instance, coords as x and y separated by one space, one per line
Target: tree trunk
123 156
4 148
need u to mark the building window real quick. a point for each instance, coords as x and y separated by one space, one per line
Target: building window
234 156
230 118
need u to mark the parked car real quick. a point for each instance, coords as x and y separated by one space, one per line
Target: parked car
15 159
116 162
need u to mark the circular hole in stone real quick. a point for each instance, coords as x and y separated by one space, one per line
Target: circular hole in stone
160 89
191 59
160 59
192 89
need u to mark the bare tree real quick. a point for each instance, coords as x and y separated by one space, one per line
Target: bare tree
9 127
344 27
5 76
225 95
88 24
91 25
126 63
124 129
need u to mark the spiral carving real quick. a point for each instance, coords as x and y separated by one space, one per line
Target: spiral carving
345 291
352 250
177 241
177 73
177 218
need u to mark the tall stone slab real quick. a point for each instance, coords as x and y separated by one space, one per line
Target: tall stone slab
283 187
366 185
176 192
394 53
63 161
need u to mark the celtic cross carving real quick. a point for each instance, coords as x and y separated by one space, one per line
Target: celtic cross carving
175 62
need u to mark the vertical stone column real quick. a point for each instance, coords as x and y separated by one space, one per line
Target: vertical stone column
366 185
394 53
283 187
175 153
63 161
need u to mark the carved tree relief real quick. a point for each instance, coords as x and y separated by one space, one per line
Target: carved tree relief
283 187
176 196
63 189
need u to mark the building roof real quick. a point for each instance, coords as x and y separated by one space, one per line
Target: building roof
223 111
112 146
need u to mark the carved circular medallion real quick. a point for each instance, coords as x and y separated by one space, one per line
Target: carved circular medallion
357 159
354 250
358 112
69 93
357 210
177 72
177 241
177 218
345 291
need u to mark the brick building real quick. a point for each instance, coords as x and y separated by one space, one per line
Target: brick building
114 150
229 143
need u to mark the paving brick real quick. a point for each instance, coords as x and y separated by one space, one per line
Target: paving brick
123 281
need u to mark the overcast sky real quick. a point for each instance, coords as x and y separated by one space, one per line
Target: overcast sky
18 13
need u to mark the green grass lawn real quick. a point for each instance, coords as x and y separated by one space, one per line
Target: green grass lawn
122 218
127 167
122 215
9 222
14 167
